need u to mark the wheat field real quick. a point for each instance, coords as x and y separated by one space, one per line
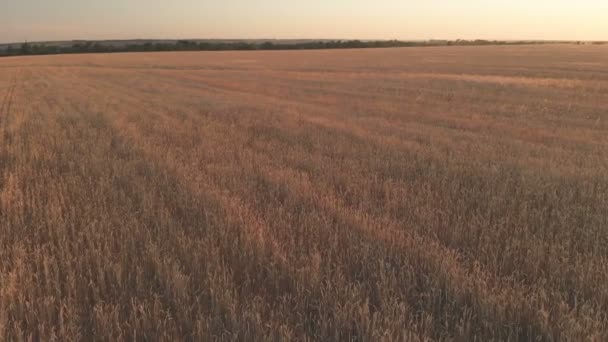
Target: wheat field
445 193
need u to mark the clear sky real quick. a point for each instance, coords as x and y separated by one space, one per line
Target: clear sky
36 20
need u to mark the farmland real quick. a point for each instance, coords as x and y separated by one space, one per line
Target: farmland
389 194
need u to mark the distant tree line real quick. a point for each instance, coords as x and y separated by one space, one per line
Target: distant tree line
187 45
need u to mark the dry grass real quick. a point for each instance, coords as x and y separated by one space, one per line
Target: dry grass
405 194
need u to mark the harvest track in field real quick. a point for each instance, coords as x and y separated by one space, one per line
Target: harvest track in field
5 135
7 103
436 193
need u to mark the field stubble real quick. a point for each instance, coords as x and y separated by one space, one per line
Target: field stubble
391 194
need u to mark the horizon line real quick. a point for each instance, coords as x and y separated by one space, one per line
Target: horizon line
291 39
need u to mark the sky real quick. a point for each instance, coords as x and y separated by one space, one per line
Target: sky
42 20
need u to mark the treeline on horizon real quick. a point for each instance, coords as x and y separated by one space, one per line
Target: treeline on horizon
26 49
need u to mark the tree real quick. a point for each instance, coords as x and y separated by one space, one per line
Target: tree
267 46
25 49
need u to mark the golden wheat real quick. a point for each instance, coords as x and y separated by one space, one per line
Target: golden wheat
453 193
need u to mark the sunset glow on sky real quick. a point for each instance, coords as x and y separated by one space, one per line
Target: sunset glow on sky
37 20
